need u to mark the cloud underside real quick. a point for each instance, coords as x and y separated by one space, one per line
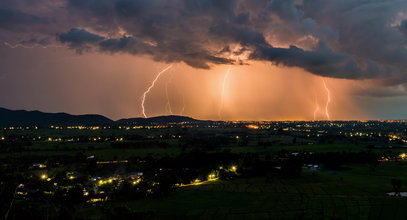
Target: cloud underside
337 38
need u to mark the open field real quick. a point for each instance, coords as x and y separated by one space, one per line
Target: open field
278 175
106 152
358 193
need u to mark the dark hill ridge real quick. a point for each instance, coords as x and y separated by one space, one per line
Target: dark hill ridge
37 118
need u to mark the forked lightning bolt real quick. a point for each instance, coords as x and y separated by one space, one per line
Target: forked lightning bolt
328 100
183 105
316 108
149 89
168 105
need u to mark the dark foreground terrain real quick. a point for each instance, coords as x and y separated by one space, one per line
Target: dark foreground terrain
204 170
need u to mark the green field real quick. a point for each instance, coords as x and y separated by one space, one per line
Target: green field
359 193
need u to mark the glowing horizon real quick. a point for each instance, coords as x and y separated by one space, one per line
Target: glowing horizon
290 60
298 110
256 92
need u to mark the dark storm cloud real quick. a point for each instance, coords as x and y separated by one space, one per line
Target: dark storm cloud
322 61
334 38
242 35
15 20
364 28
171 53
77 38
383 92
403 27
285 9
81 40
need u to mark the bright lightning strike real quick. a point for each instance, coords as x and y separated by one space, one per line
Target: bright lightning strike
183 105
168 105
225 78
20 45
317 108
327 101
149 89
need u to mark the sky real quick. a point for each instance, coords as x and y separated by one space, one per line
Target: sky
222 59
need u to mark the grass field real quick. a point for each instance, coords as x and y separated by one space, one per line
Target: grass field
104 150
102 154
359 193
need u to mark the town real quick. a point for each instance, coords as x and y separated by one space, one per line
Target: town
58 171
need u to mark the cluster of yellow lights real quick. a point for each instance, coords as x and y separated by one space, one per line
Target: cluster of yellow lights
142 127
45 177
20 128
252 126
107 181
22 193
395 137
54 139
50 139
95 200
402 156
212 177
98 139
82 127
135 182
360 134
196 182
157 126
71 175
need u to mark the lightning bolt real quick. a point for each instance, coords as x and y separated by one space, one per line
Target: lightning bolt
168 105
222 100
317 108
19 45
328 100
183 105
149 89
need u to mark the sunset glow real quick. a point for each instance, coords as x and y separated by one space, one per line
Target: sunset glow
236 60
210 109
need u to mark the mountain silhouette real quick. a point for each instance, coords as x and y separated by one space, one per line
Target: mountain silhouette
36 118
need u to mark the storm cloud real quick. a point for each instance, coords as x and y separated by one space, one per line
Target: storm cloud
333 38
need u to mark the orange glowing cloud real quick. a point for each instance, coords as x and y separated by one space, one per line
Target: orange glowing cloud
258 91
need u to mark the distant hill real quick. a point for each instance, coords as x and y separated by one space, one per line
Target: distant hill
37 118
155 120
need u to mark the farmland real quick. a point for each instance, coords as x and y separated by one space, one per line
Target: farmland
204 172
